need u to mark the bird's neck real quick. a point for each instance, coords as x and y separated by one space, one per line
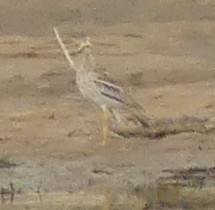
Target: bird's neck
87 62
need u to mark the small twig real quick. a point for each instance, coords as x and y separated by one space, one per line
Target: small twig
39 194
64 49
2 195
8 192
12 192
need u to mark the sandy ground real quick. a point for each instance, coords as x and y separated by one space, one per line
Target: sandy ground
50 136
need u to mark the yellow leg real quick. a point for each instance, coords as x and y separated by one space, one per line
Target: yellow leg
105 125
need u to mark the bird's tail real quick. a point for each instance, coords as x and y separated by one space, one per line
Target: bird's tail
139 114
129 120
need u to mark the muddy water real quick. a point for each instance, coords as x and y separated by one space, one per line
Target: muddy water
38 185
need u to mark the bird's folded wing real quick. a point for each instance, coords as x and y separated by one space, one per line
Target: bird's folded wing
109 89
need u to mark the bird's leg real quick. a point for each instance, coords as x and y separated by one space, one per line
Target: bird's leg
104 125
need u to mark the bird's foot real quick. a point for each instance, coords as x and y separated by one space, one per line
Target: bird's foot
116 135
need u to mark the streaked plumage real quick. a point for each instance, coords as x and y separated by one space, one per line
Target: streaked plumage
99 87
95 86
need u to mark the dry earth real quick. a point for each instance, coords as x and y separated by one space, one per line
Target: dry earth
162 51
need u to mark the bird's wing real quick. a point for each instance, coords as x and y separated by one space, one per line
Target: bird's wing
109 88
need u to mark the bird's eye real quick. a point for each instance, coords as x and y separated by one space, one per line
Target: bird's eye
77 45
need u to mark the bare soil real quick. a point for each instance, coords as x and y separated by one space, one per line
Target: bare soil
161 51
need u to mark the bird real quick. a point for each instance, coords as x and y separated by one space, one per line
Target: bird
99 87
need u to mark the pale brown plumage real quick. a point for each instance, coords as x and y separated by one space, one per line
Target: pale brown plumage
99 87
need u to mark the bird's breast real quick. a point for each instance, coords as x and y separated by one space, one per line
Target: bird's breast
86 85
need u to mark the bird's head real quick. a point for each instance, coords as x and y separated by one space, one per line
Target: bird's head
84 54
83 43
